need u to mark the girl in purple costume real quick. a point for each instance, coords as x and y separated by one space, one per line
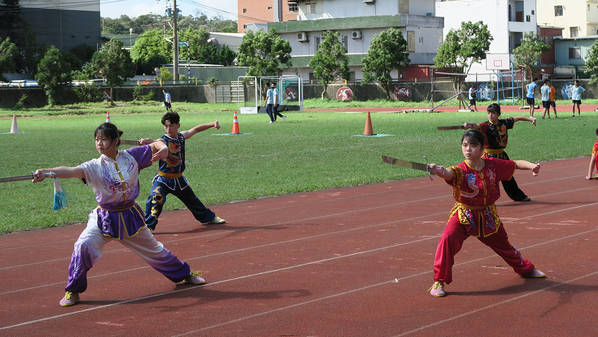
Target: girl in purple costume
115 180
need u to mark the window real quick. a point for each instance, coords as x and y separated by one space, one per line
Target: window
244 10
528 18
573 31
244 26
558 10
317 42
439 38
421 40
574 53
411 41
293 8
532 12
270 8
345 42
310 8
404 6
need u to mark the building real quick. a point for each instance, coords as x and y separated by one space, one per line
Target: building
358 21
64 23
264 11
578 17
571 55
508 21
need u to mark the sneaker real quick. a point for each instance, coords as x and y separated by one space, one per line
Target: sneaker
69 299
284 118
194 278
573 115
216 221
526 198
543 117
536 273
437 289
273 121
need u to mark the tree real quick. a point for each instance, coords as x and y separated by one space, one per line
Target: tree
209 54
388 51
264 53
227 56
84 52
53 75
10 19
592 63
151 50
529 52
114 26
462 48
8 58
330 62
113 63
198 39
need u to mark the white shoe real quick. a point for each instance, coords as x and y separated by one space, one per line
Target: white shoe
437 289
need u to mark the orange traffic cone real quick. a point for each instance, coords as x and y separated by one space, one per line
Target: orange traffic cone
14 128
235 125
368 131
108 117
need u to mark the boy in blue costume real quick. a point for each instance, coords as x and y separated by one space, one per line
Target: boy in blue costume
170 177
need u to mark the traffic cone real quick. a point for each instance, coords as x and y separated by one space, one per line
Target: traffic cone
108 117
368 131
14 128
235 125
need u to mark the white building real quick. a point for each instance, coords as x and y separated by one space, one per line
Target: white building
507 21
358 21
578 17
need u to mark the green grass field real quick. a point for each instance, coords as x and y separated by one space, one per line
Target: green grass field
311 151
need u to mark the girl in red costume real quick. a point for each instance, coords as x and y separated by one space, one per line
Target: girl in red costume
593 160
475 188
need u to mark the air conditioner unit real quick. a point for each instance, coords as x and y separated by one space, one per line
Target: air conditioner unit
369 1
302 37
356 35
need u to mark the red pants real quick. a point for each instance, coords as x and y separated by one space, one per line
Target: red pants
452 239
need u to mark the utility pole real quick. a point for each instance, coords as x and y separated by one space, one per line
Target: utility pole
175 43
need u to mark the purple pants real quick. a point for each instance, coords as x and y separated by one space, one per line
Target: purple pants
90 245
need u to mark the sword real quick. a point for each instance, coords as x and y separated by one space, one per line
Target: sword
27 177
456 127
129 142
409 164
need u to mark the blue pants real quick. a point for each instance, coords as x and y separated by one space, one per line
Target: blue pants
272 111
157 198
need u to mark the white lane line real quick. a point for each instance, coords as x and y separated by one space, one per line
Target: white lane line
195 237
285 269
465 314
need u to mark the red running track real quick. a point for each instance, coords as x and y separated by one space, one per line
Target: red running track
342 262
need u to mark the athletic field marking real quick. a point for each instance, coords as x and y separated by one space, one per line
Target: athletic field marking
471 312
291 222
285 269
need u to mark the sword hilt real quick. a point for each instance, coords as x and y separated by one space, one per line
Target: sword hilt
428 162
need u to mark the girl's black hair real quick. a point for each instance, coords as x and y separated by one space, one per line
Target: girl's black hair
475 137
494 108
109 131
172 117
596 132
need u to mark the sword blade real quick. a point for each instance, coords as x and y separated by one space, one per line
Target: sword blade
129 142
456 127
9 179
405 163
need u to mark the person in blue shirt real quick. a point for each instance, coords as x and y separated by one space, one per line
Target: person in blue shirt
272 99
531 93
576 97
167 100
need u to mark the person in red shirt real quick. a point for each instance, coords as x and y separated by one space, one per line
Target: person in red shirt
593 163
475 189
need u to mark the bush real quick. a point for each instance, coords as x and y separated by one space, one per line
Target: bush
21 103
138 94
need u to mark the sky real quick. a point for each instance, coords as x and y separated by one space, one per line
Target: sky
134 8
